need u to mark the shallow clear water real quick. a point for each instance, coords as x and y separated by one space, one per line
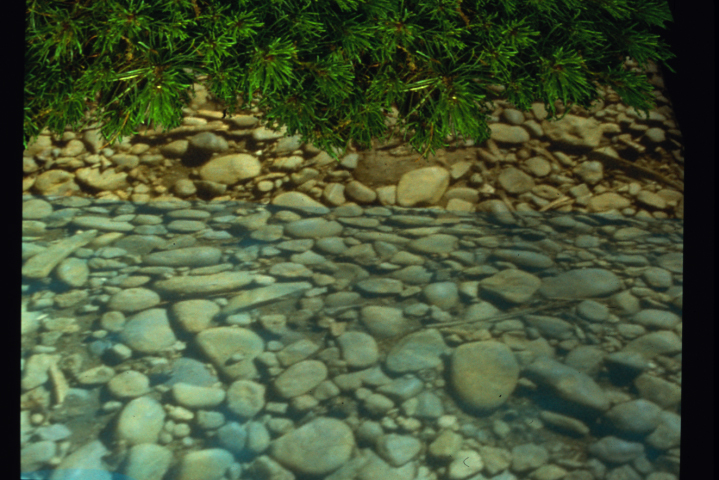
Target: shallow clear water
515 344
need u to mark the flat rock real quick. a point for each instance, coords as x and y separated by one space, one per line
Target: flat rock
218 282
581 283
484 374
316 448
567 383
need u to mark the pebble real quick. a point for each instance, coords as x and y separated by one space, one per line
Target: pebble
484 374
129 384
568 384
667 435
314 333
635 416
397 450
358 349
147 461
246 398
300 378
75 159
233 350
208 464
149 331
467 463
417 351
87 457
297 351
376 467
446 445
402 388
528 456
316 448
233 437
258 438
615 450
133 300
140 421
584 283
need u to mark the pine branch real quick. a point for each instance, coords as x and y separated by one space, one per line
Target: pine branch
330 70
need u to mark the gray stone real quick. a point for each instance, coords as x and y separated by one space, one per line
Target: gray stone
668 433
133 300
296 352
148 331
35 209
140 421
375 467
73 272
528 457
300 378
659 319
674 262
194 315
576 131
512 285
230 169
107 180
377 404
568 383
429 405
508 134
657 277
591 172
515 181
316 448
209 142
246 398
36 455
233 437
258 296
232 350
219 282
189 257
207 464
398 449
551 327
359 349
484 374
593 311
55 182
195 397
417 351
129 384
148 462
40 265
658 391
402 388
382 321
87 457
524 258
582 283
634 417
607 201
442 294
434 181
655 343
615 450
446 445
258 438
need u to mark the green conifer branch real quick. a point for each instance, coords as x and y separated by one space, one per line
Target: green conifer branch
329 70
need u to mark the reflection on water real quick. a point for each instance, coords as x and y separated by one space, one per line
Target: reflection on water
229 340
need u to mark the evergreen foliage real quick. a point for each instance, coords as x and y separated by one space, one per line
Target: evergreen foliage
330 70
